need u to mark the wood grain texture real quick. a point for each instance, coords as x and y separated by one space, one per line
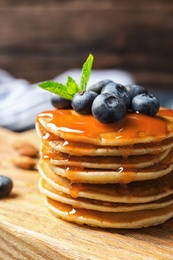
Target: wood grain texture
41 39
29 231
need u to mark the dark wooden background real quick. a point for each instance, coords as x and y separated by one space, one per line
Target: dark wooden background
41 39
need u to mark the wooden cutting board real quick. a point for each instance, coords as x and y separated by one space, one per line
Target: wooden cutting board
29 231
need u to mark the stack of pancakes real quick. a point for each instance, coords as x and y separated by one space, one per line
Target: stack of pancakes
107 175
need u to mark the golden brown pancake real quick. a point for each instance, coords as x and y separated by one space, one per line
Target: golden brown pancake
121 175
102 162
134 192
81 149
116 175
98 205
134 128
73 148
135 219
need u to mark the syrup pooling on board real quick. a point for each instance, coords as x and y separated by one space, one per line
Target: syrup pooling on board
135 127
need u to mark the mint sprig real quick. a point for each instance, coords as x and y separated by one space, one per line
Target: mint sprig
56 88
86 71
71 88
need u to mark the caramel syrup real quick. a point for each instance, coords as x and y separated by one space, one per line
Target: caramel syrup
85 127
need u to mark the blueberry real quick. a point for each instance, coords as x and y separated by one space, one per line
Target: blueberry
5 186
145 103
97 87
82 101
108 108
135 90
59 102
117 90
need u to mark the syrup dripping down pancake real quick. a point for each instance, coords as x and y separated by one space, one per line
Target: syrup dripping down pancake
135 219
102 206
73 148
134 192
134 128
121 175
112 176
101 162
81 149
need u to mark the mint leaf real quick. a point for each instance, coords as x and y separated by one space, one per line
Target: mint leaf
72 87
56 88
85 74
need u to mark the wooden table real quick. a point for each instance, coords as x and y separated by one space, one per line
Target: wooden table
29 231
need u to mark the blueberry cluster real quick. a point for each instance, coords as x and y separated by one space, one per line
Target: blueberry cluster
5 186
109 101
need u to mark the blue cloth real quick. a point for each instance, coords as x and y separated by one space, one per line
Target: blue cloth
20 102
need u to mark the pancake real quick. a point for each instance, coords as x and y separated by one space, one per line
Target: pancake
134 128
121 175
74 148
101 162
134 192
116 175
135 219
102 206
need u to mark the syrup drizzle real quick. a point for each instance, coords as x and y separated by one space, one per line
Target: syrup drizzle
133 126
